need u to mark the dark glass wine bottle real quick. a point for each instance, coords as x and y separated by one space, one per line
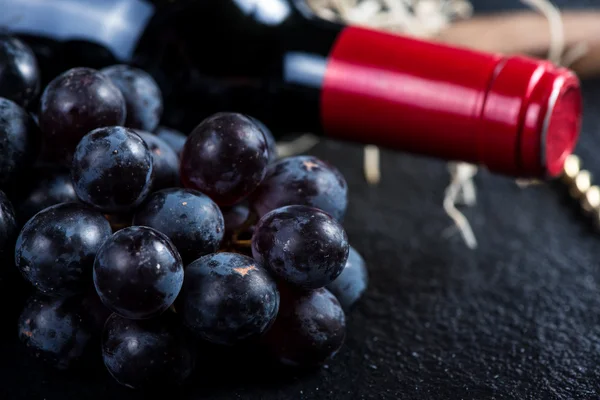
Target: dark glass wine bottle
277 61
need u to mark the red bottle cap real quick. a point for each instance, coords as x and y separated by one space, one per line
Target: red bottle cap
531 118
514 115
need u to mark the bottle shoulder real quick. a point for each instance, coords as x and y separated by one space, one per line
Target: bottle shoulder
115 24
223 35
120 25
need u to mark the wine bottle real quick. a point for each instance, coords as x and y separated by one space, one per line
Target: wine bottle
277 61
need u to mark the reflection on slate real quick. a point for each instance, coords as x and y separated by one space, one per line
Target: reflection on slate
518 318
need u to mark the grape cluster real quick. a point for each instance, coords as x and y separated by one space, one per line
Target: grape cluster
154 242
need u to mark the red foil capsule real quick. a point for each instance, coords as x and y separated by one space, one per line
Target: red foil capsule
515 115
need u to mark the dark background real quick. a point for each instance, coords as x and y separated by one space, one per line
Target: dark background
518 318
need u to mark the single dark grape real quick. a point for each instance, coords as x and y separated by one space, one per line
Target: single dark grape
227 297
138 272
173 138
73 104
271 144
225 157
303 180
147 354
239 228
309 329
19 72
55 250
112 169
301 245
191 220
352 282
19 141
142 96
235 216
54 330
8 231
51 186
165 162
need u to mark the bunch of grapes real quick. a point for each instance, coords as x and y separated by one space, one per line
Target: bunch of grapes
154 241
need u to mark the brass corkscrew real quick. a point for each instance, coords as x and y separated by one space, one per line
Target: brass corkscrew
581 188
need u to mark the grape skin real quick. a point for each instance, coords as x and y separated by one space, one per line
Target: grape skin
54 330
138 273
352 282
309 329
227 298
225 157
189 218
303 180
173 138
164 161
73 104
301 245
146 354
142 96
235 216
55 250
112 169
271 144
51 186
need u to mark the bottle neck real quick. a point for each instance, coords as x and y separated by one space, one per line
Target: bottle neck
266 58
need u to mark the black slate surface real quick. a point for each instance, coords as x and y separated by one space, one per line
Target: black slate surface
518 318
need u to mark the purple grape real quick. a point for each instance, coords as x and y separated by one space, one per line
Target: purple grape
189 218
147 354
54 330
227 298
302 180
352 282
52 185
235 216
225 157
165 162
173 138
309 329
19 72
19 142
142 96
271 144
73 104
112 169
301 245
55 250
138 273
